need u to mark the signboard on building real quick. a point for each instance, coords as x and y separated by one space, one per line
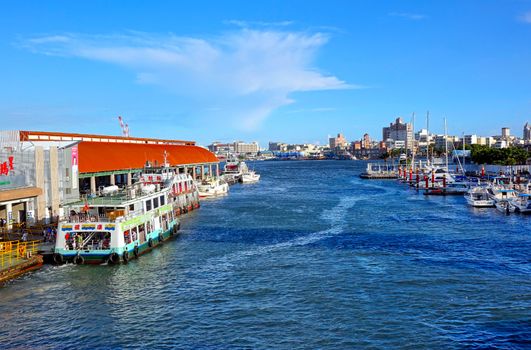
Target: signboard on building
74 167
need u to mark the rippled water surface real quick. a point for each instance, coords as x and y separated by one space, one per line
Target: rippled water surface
310 257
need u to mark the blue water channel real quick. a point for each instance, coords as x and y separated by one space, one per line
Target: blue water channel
311 257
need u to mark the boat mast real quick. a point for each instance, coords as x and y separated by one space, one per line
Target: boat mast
464 171
446 143
428 137
413 148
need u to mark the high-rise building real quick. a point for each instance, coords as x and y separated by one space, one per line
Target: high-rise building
339 141
506 133
527 132
399 132
366 141
242 147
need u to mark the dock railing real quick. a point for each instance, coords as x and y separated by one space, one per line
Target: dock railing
15 252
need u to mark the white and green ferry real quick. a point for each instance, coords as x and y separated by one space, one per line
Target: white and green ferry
120 224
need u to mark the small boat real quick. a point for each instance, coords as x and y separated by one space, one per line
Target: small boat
479 197
522 204
233 170
212 188
250 177
505 207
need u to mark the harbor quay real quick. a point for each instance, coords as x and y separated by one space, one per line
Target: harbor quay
81 198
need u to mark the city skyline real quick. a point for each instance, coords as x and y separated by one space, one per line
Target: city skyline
293 72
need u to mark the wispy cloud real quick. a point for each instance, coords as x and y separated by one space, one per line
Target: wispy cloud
246 73
312 110
254 24
526 17
408 15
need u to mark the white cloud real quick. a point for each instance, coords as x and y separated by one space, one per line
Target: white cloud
526 17
246 74
408 15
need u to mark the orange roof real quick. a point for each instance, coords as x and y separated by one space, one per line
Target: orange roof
63 136
97 157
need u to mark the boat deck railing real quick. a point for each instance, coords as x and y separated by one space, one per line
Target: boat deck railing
14 252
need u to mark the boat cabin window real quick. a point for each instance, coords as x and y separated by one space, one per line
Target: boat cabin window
142 233
149 227
88 240
155 203
127 236
148 205
161 200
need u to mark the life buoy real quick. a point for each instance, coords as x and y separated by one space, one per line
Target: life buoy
174 229
125 256
161 237
135 251
150 242
79 260
21 250
114 258
58 259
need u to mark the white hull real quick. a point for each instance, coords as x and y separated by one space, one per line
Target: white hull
482 203
212 189
505 207
250 178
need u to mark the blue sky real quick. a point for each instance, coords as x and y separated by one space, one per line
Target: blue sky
292 71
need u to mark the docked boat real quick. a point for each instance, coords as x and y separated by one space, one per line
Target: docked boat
250 177
212 188
479 197
522 204
233 171
505 207
116 227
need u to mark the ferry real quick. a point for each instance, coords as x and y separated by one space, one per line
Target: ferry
116 225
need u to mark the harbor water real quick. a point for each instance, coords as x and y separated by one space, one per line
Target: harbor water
312 256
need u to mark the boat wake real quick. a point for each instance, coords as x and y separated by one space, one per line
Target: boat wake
336 216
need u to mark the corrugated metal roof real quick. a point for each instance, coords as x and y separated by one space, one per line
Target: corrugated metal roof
101 156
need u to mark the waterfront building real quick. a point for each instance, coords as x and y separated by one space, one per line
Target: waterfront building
221 148
366 141
527 133
241 147
471 139
338 142
278 146
399 132
506 133
42 171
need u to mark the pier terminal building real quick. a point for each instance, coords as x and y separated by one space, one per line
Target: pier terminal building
42 171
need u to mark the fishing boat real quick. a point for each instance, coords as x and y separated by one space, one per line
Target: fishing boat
233 171
505 207
116 227
522 204
212 187
479 197
250 177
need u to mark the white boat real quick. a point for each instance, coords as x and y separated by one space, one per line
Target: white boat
505 207
212 188
233 171
250 177
119 225
522 204
479 197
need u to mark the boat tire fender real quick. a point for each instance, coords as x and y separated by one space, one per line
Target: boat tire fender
135 251
150 242
161 237
79 260
114 258
125 256
58 259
